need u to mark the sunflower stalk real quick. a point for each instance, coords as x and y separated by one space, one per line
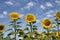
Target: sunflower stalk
31 29
48 34
58 28
15 27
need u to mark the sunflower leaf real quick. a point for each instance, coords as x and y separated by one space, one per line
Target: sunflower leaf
28 25
26 28
14 32
11 24
19 22
8 30
34 26
18 26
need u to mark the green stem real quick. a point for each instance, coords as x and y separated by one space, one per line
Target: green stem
48 35
58 28
15 27
31 27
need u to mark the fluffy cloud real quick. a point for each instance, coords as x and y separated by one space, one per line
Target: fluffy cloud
49 15
1 16
29 5
9 3
37 21
49 12
57 1
21 15
42 6
5 12
48 4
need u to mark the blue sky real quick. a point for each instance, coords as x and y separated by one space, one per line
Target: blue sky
41 8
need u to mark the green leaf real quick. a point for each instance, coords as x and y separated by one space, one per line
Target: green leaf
18 26
14 32
8 30
28 25
34 26
19 22
26 28
11 21
11 24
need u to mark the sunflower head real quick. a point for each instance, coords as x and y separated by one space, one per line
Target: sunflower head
41 37
58 15
46 23
30 18
2 27
57 34
21 31
35 32
29 35
14 15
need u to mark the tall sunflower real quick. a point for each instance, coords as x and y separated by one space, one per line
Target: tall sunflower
2 27
58 15
30 18
14 15
46 23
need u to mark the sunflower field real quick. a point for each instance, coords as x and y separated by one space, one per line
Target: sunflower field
51 33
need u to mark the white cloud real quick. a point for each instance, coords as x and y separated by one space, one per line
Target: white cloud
42 6
29 5
49 15
1 16
9 3
5 12
22 9
48 4
21 15
49 12
37 21
58 1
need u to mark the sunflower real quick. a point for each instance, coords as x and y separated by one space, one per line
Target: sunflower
21 31
14 15
57 34
29 35
30 18
35 32
41 37
2 27
46 23
58 15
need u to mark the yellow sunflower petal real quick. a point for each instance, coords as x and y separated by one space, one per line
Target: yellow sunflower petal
35 31
30 18
14 15
29 35
57 34
46 23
